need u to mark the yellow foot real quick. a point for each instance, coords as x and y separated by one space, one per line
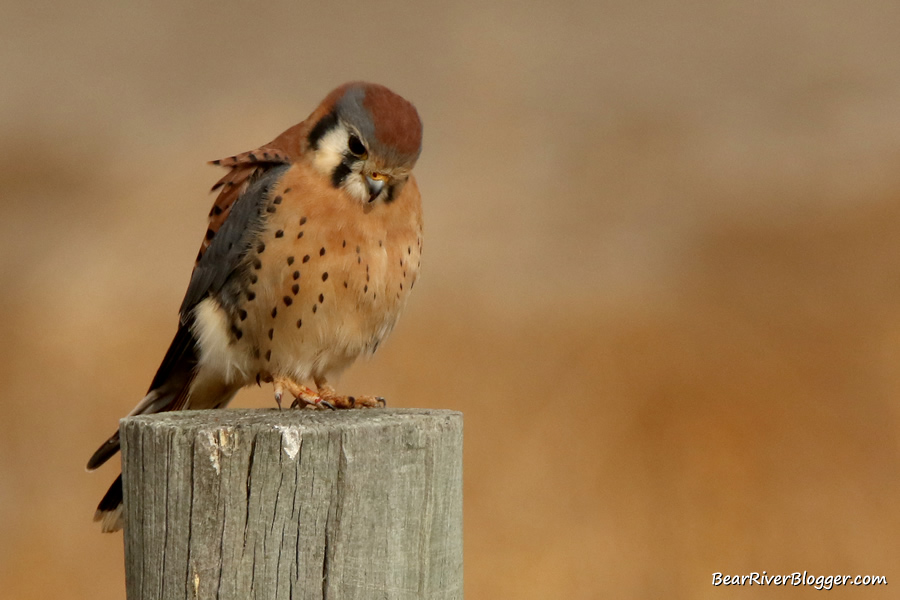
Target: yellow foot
303 396
329 397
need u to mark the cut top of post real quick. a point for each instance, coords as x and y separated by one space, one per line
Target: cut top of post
327 419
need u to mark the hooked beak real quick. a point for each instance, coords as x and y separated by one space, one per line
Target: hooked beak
375 183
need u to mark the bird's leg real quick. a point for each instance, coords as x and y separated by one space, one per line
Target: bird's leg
303 396
327 394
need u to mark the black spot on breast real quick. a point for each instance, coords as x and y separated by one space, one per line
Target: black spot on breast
276 200
288 300
299 235
345 284
322 252
257 264
321 298
238 334
290 260
271 333
261 248
242 314
286 190
315 307
357 249
274 312
268 355
306 258
365 288
296 275
253 278
210 234
251 156
325 276
299 323
295 288
251 296
217 210
344 244
279 233
270 209
409 249
303 220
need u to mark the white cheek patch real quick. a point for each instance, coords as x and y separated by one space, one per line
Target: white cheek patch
356 187
330 152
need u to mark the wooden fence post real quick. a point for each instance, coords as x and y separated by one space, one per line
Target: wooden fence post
294 504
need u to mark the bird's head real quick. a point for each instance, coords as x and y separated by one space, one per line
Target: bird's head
366 141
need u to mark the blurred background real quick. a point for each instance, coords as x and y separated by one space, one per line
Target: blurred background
661 275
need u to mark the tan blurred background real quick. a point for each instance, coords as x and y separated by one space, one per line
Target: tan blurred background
662 271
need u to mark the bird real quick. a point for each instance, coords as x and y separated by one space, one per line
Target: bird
313 246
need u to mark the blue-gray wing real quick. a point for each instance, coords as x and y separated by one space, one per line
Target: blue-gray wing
230 245
220 264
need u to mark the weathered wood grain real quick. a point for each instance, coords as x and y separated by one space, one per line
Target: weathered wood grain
299 504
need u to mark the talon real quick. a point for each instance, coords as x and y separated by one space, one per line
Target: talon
326 404
352 401
380 401
295 403
279 390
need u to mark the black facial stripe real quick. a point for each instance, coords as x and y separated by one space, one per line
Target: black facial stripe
325 124
389 194
340 174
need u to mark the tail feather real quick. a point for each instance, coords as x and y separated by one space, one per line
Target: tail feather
109 511
104 452
169 391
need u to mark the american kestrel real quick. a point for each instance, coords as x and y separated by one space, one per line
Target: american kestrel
313 246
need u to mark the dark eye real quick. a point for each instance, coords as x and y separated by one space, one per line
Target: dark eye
356 146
